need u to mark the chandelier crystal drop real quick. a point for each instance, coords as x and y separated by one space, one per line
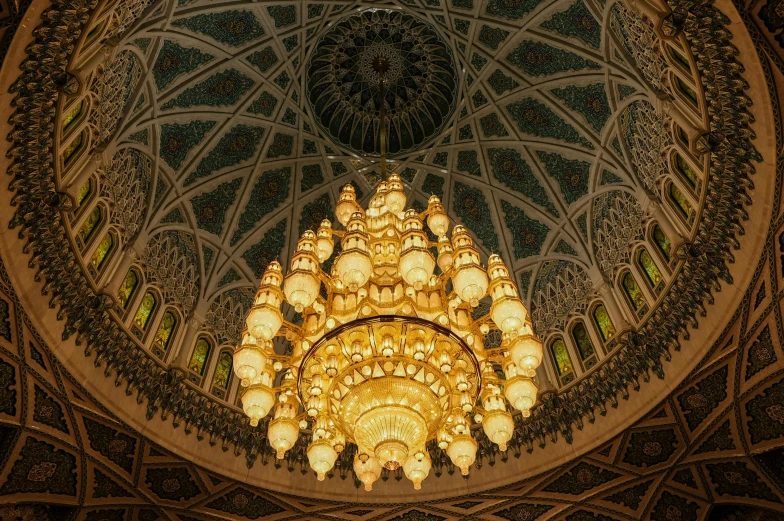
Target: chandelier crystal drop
390 353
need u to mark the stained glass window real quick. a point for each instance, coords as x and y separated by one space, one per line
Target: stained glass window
165 330
681 203
94 33
687 172
603 322
84 193
145 310
102 251
681 59
127 288
89 225
223 371
649 267
200 354
73 147
582 340
687 91
633 291
662 242
561 356
72 115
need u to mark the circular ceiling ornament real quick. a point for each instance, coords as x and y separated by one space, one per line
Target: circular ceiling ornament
421 83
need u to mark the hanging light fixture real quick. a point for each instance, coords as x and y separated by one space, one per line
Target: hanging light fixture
390 354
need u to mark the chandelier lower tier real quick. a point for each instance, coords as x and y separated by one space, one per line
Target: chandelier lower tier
389 354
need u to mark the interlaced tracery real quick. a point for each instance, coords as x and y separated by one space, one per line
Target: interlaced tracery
171 262
636 32
617 221
124 15
561 288
128 178
647 138
111 89
226 314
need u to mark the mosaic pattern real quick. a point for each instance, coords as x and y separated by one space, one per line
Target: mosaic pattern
536 58
288 88
420 90
210 208
223 89
536 119
236 146
175 60
234 28
178 139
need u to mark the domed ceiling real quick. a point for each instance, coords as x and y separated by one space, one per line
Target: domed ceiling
234 107
196 141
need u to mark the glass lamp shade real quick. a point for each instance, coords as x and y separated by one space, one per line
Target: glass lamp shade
417 468
437 220
264 321
354 268
462 452
509 315
416 267
396 197
257 401
249 362
347 204
282 434
367 469
521 393
301 289
325 245
321 457
445 252
527 353
499 426
470 283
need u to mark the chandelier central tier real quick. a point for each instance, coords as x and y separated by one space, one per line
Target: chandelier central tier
390 351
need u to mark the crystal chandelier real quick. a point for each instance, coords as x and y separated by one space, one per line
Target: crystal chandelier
389 355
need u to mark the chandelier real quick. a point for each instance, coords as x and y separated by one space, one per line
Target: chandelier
389 355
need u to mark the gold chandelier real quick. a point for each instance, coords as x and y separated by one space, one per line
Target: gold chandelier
389 355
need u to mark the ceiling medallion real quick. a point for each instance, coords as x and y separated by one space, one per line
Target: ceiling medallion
342 86
390 355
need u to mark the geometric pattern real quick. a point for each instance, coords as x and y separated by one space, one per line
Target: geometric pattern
242 140
135 479
227 98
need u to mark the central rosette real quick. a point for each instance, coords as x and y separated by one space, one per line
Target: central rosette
388 382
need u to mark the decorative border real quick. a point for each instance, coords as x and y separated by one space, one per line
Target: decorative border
40 208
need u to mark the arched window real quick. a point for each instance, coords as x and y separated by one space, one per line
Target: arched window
128 287
145 311
71 116
682 136
165 331
200 355
73 147
662 242
582 340
563 364
690 96
633 291
687 173
603 322
680 59
84 192
679 200
94 33
223 371
101 253
89 225
652 273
